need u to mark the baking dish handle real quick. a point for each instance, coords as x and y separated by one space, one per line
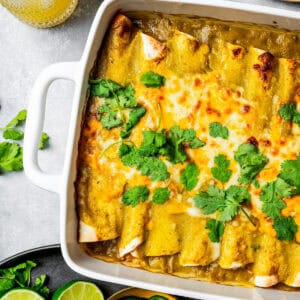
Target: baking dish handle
35 122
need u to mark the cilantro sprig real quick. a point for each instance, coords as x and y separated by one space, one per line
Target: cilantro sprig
289 112
135 195
290 172
216 230
19 276
189 176
11 153
251 162
148 165
221 171
226 202
117 99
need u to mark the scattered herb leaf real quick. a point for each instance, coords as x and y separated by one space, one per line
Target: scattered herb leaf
161 195
286 228
135 195
221 171
11 157
216 129
289 112
43 140
290 172
18 119
134 116
153 80
13 134
189 176
250 160
216 230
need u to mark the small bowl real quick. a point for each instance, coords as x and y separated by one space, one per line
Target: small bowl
134 292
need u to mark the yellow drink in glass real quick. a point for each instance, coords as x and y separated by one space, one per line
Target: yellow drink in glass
41 13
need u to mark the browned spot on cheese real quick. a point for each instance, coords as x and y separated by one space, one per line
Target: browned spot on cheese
210 110
265 67
252 140
245 109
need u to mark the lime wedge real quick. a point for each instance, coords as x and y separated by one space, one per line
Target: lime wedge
21 294
78 290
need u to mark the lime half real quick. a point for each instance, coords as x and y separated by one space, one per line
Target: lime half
21 294
78 290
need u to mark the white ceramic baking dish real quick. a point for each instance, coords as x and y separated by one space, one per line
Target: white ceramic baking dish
64 183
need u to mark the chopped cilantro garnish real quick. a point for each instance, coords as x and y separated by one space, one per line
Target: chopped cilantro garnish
216 230
256 183
152 143
196 143
189 176
17 120
289 112
286 228
227 203
43 140
135 195
117 98
11 157
149 166
272 195
250 160
134 117
290 172
13 134
153 80
19 275
221 171
216 129
177 138
161 195
109 117
154 168
104 87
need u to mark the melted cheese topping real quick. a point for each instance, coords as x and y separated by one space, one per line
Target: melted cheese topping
249 109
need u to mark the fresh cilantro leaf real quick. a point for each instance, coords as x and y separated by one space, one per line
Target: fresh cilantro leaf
40 286
176 138
103 87
226 202
152 143
289 112
216 230
271 196
286 228
18 119
250 161
217 130
126 98
148 166
154 168
221 172
130 156
211 200
13 134
161 195
43 140
189 176
290 172
135 195
153 80
235 196
17 276
196 143
11 157
109 117
256 183
134 116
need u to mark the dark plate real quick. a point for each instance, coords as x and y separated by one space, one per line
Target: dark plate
51 263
